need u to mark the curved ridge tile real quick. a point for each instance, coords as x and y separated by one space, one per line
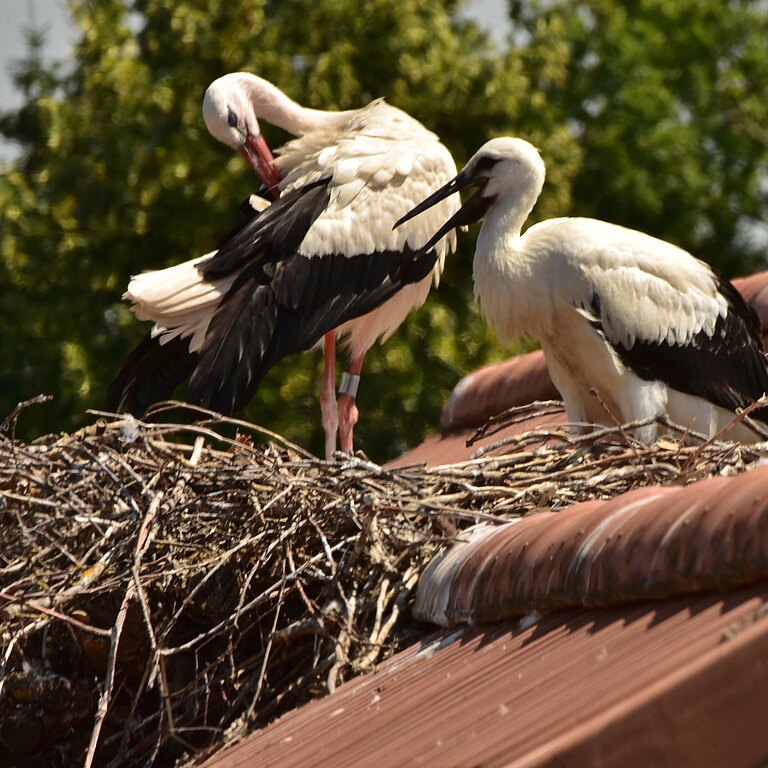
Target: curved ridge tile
754 289
493 389
652 542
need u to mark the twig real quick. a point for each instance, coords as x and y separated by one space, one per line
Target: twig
109 681
515 415
35 606
13 416
267 652
117 630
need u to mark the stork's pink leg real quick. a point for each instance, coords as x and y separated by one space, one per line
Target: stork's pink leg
328 405
348 412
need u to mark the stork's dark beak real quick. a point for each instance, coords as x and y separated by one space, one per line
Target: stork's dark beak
258 155
473 210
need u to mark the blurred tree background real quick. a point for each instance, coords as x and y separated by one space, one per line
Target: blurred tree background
654 117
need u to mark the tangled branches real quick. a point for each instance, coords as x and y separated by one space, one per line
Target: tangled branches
164 587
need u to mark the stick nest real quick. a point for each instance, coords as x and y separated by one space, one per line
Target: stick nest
165 589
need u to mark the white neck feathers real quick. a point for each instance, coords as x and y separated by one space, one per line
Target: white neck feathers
272 105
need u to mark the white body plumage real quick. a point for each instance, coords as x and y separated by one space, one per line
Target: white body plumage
616 311
650 291
381 162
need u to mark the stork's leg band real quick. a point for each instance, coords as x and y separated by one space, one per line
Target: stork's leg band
349 384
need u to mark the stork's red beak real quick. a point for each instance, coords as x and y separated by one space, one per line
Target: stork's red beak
258 155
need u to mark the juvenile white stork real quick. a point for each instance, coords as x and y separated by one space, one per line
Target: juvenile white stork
649 327
321 262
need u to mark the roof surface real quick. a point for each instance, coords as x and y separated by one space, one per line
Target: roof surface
655 541
755 290
493 389
668 682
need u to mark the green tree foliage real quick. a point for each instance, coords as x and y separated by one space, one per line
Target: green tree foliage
668 103
117 173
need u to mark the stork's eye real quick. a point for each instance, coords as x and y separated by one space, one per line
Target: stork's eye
485 163
231 119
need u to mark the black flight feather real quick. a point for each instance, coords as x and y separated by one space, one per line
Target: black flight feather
259 324
281 302
150 373
728 368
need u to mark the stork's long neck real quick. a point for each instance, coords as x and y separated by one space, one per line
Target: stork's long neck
280 110
500 263
504 221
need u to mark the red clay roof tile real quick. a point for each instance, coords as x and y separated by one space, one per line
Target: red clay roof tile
656 541
493 389
665 684
755 290
452 448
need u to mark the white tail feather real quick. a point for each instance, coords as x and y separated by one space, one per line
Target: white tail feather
178 300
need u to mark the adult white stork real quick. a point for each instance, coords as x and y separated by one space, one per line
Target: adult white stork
322 262
651 328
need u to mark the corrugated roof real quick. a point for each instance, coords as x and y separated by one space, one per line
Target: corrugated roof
493 389
652 542
755 290
674 683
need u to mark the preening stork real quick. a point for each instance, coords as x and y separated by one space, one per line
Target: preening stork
322 262
649 327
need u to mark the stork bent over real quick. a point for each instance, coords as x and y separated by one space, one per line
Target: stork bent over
321 263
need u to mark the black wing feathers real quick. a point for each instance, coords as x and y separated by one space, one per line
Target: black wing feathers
728 368
274 232
280 303
149 374
249 213
259 324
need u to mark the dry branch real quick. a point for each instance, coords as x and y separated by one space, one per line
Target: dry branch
165 587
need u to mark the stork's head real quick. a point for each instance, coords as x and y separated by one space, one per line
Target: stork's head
507 166
501 169
230 114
